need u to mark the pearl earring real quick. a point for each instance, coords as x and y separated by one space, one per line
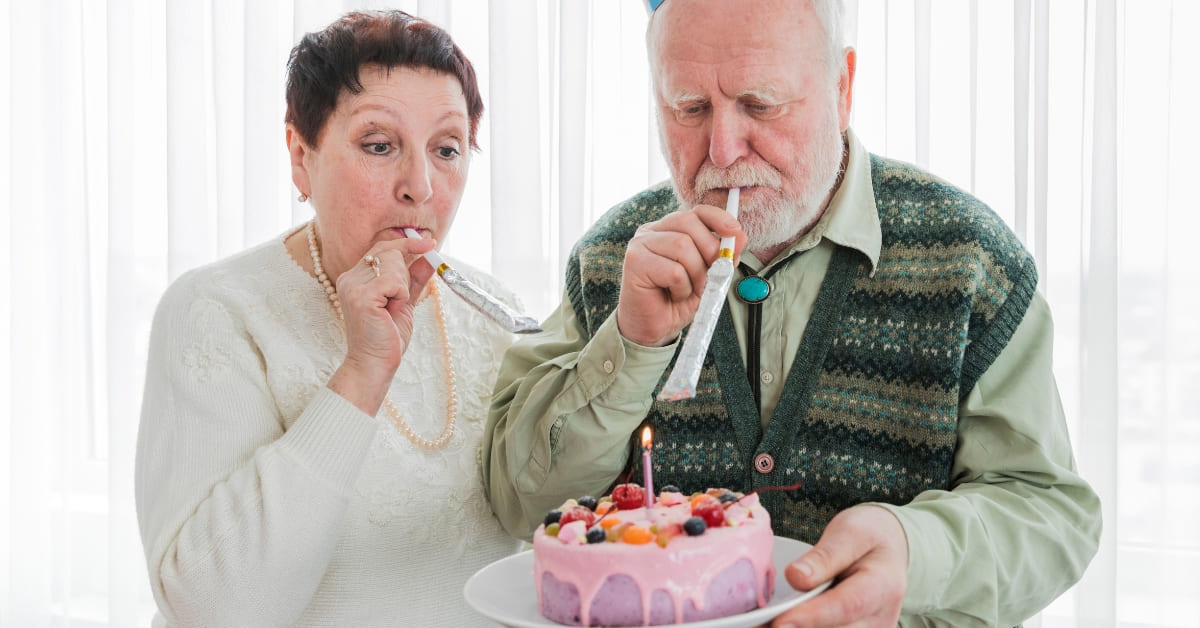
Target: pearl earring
303 197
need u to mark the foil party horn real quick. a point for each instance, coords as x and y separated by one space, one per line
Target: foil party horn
489 305
681 383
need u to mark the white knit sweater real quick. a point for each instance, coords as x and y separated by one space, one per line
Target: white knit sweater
265 499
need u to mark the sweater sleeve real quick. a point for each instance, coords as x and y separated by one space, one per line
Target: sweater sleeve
564 408
238 517
1019 525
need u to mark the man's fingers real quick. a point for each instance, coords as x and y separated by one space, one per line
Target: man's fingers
705 225
686 239
717 220
847 602
838 548
665 268
864 546
669 260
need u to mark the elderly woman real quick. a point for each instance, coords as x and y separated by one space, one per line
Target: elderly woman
313 407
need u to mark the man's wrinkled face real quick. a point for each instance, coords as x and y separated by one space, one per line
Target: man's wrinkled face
746 100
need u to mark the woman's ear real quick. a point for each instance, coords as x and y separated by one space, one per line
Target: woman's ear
297 150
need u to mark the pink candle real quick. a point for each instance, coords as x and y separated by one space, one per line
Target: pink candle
647 474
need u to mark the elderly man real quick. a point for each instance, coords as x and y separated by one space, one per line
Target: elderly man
884 346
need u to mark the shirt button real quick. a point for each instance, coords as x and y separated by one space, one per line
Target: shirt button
767 377
764 463
608 366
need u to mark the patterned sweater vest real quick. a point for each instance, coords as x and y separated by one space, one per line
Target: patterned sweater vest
869 411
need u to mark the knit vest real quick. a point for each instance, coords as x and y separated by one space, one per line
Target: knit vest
869 410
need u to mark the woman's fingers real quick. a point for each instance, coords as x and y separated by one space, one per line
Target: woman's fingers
398 269
378 295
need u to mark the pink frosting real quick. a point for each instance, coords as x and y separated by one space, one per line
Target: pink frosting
683 569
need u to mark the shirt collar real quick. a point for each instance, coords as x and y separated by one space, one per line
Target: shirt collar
851 218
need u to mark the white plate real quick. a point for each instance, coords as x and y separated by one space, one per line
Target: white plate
504 592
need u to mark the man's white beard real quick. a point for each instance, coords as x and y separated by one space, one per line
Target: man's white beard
777 218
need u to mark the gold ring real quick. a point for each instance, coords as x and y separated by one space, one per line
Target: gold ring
373 262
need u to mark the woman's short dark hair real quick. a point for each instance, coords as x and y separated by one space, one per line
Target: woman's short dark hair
326 61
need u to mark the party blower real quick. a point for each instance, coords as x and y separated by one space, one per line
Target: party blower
492 307
681 384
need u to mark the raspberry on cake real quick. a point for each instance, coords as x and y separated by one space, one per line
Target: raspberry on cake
684 559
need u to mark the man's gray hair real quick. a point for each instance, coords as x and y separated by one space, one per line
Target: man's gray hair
830 14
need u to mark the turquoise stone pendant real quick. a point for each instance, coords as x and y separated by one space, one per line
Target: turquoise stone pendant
753 289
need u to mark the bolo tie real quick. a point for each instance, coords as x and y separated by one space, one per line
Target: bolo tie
753 289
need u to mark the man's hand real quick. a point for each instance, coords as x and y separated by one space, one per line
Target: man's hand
664 271
864 548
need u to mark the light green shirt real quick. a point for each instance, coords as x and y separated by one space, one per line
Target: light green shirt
565 408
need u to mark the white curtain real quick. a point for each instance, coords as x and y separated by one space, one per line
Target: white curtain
142 139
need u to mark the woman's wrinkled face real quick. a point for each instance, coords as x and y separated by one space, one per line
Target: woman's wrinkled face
392 156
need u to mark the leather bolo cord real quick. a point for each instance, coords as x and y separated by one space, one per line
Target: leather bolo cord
754 327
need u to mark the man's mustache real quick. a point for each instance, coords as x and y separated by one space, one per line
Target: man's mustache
739 175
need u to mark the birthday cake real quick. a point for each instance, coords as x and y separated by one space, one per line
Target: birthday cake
614 562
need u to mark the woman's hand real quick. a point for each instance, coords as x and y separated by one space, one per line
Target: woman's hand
665 267
378 311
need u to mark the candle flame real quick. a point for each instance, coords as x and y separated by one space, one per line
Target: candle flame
646 438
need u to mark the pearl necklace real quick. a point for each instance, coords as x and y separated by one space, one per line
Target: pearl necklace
393 412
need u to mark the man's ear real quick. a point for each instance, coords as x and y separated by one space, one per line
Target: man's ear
846 87
298 149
